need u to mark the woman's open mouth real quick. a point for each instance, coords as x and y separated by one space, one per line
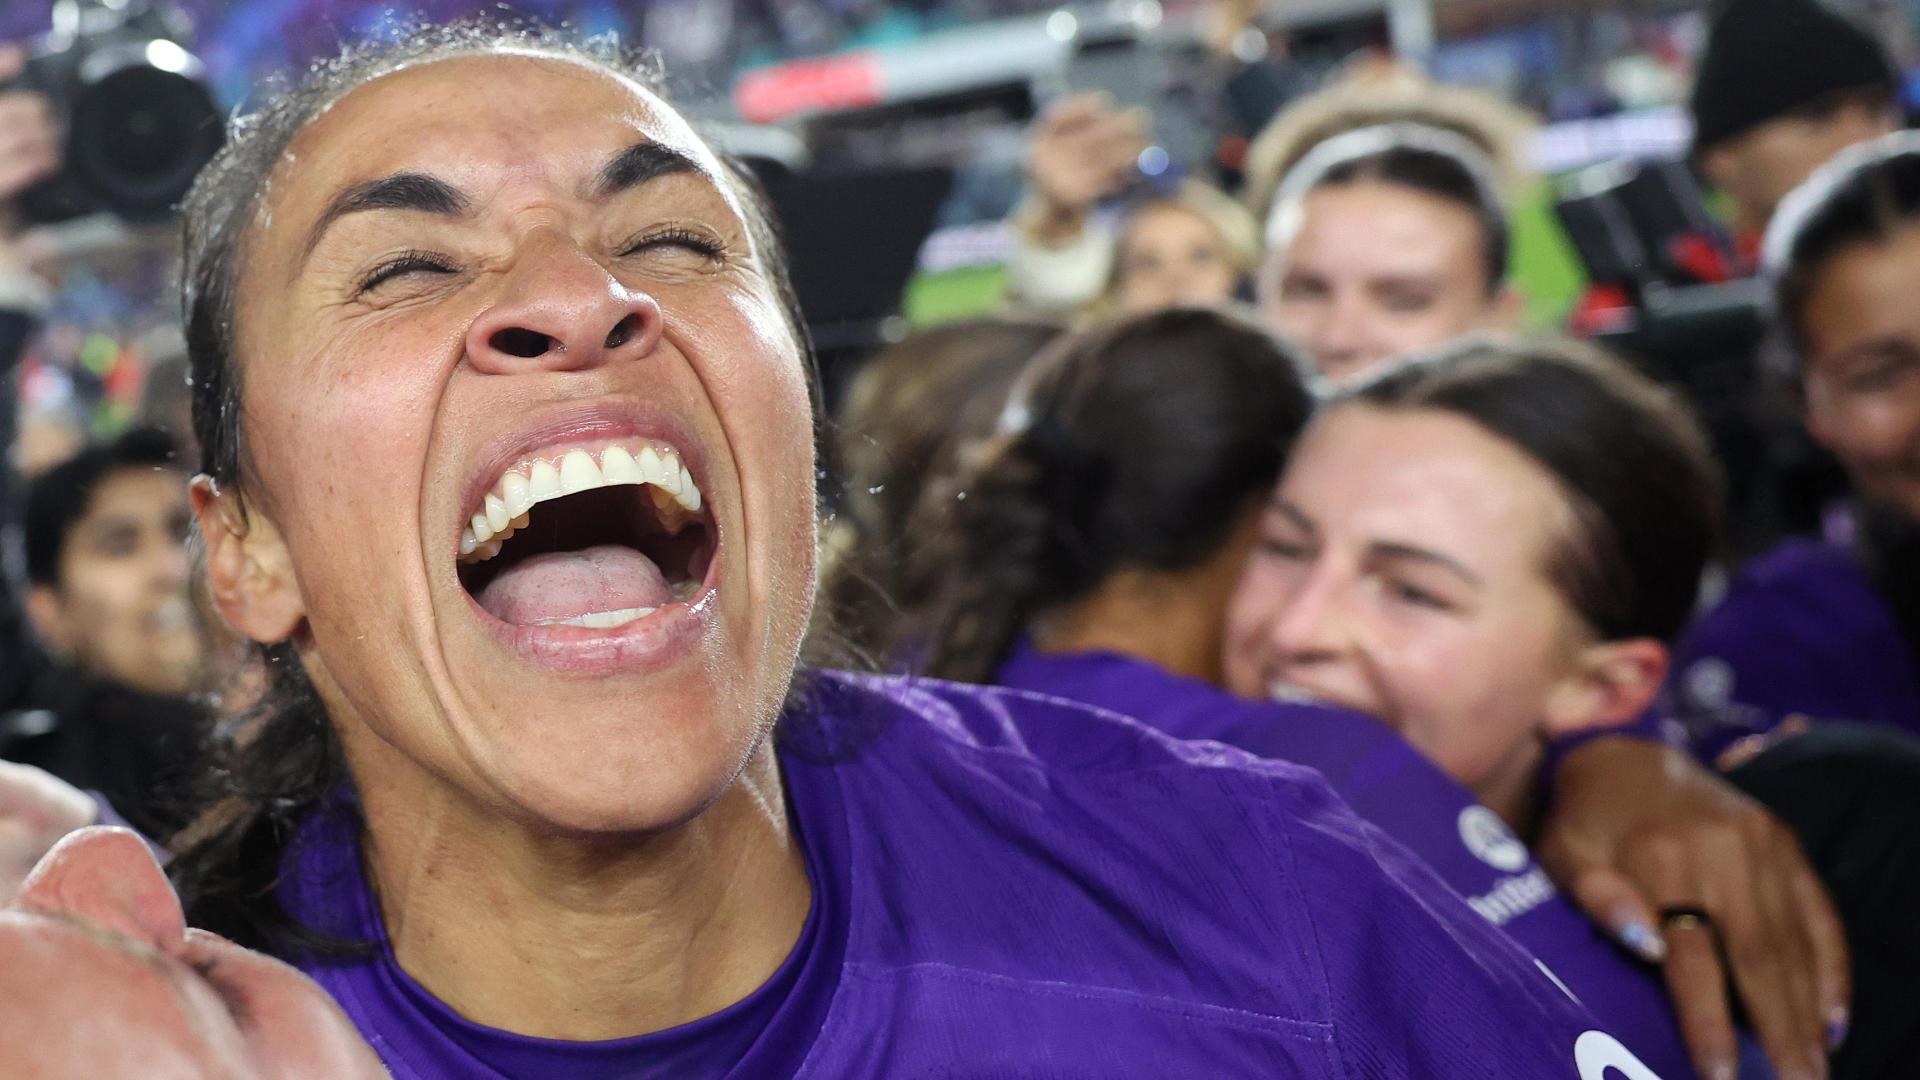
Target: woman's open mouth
595 535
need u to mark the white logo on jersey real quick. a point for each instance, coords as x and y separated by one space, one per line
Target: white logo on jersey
1490 840
1709 683
1600 1056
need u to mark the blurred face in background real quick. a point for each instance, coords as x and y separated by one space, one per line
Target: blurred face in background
1170 256
1373 271
1402 570
1860 331
121 607
1757 168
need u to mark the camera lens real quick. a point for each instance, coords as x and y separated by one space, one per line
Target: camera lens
138 136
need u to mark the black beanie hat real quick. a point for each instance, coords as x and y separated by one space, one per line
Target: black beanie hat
1767 58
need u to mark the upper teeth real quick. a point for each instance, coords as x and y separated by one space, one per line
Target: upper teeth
1284 691
506 508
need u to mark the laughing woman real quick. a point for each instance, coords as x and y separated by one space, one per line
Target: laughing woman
509 469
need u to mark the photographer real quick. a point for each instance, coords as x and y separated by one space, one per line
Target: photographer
1784 85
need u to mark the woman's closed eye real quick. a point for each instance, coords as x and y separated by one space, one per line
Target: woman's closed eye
405 264
1407 592
672 238
1880 374
1286 547
1406 301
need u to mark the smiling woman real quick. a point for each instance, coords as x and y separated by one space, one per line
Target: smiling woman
509 470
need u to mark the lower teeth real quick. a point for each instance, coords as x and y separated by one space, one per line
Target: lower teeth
601 620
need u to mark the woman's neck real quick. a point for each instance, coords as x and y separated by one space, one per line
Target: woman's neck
1151 617
1175 620
587 939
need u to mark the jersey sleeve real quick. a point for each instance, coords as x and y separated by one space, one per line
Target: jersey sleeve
1419 985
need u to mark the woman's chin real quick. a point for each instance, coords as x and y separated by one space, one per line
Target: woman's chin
613 795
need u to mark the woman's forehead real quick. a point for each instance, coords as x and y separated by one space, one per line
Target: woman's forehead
1427 469
492 115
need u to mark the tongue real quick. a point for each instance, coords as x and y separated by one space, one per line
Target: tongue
568 584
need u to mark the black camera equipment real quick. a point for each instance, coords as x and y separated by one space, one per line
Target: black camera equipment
139 120
1665 283
1669 291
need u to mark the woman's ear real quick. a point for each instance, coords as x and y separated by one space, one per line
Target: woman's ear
1505 310
249 572
1814 414
1610 685
48 617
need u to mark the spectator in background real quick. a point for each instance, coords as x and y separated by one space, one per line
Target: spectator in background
1193 248
1383 241
1165 248
1782 87
1396 240
108 596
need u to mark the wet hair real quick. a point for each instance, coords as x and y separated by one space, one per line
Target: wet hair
910 405
1430 160
287 759
1631 460
59 498
1135 445
1865 195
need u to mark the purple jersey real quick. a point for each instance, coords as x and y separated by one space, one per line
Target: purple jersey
1801 630
1007 885
1395 787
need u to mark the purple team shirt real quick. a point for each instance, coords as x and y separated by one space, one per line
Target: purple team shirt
1010 885
1396 788
1801 630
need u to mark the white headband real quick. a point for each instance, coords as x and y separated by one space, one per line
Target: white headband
1801 204
1365 142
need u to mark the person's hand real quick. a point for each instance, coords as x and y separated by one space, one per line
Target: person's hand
1082 150
36 810
29 138
1226 20
1638 829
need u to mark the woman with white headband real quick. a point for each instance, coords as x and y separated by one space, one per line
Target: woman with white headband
1384 241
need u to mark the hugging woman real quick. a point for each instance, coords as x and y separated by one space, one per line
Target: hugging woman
509 471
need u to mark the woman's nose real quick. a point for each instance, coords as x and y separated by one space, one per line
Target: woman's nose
1309 627
560 310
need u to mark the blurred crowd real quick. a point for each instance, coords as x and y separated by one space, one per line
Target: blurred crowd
1626 659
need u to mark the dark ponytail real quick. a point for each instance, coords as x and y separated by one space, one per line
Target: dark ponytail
1134 445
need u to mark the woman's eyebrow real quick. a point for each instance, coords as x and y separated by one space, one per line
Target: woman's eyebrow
1881 348
640 163
1294 515
1387 549
401 191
